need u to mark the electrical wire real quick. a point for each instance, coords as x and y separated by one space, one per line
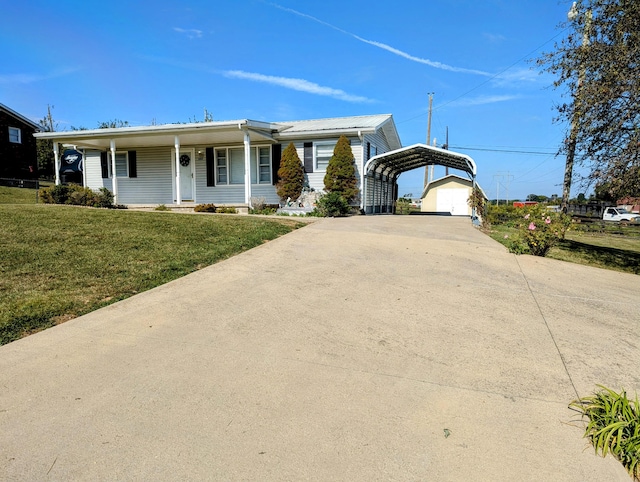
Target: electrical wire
489 79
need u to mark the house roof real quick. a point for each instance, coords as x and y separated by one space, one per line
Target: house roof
342 125
394 163
227 132
22 118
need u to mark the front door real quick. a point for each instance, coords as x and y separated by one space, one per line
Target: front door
186 162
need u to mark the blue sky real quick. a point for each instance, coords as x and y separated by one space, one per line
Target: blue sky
166 61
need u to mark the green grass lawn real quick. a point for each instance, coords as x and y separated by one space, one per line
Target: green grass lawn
59 262
613 247
16 195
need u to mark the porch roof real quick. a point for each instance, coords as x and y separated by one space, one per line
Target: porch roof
227 132
164 135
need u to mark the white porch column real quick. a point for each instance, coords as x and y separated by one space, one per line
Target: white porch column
56 159
247 168
178 193
84 168
114 177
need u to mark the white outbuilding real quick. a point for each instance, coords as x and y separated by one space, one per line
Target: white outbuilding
448 195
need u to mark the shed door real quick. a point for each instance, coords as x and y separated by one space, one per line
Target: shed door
453 201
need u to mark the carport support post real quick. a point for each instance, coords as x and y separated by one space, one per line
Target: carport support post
176 142
56 158
473 205
114 179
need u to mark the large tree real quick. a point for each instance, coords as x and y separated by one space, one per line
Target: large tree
598 65
341 171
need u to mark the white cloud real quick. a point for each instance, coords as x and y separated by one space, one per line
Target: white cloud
23 78
301 85
494 38
189 32
519 75
483 100
388 48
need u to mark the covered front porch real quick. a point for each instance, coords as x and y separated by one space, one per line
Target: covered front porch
177 164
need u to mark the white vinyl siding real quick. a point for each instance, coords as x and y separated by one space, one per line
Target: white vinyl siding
15 135
93 171
154 181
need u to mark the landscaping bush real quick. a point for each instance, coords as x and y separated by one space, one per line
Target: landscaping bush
332 205
77 195
538 230
104 199
227 210
613 427
505 214
205 208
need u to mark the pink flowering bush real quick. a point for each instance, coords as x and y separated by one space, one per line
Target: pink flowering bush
538 231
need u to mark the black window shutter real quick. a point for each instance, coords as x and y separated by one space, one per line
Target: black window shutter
104 166
211 168
308 157
368 151
133 164
276 157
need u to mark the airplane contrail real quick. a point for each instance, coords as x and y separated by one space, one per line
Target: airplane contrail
388 48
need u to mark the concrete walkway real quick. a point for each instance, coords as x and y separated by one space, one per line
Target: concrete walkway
368 348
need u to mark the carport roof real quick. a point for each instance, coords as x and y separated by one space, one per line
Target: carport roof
419 155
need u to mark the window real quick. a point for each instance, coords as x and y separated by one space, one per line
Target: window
221 165
236 166
322 153
122 165
15 135
261 165
230 165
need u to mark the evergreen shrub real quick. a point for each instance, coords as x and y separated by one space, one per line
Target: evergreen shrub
290 175
341 177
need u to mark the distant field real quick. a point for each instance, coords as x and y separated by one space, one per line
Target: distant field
59 262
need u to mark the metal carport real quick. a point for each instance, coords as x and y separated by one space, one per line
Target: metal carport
381 172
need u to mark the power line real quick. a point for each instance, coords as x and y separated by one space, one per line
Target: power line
511 151
490 78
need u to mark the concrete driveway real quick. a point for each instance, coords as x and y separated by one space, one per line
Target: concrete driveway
367 348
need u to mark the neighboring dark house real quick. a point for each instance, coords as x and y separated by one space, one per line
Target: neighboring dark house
18 153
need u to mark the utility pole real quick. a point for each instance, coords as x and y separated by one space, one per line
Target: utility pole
499 177
509 178
426 168
446 146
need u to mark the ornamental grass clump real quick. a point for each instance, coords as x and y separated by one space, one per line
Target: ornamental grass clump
538 231
613 426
